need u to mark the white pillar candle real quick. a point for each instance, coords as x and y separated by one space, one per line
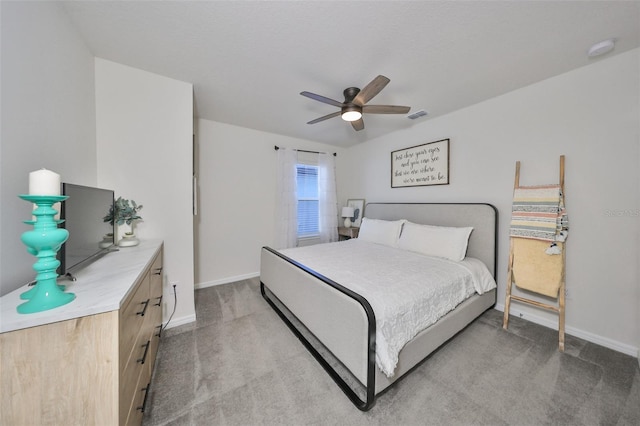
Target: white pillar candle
44 182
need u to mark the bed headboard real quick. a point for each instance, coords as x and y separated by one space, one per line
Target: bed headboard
483 242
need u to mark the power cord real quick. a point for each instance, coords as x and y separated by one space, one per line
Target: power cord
175 303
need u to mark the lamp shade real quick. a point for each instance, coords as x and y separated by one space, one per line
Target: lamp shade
347 212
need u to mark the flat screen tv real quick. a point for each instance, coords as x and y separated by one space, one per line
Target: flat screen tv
83 214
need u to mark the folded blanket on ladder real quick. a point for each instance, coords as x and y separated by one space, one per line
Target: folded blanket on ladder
539 224
533 269
538 213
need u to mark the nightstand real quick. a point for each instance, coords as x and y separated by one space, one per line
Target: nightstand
347 233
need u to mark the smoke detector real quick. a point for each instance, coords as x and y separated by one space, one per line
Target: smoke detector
601 48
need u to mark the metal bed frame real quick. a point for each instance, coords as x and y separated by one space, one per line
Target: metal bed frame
369 400
371 340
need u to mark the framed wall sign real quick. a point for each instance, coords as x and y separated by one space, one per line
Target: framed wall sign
421 165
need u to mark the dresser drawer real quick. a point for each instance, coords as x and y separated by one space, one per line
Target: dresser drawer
139 361
132 319
155 274
155 315
139 343
153 348
138 401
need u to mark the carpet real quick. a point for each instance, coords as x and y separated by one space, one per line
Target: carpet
239 364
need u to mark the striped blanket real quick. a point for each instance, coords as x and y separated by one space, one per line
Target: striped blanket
538 213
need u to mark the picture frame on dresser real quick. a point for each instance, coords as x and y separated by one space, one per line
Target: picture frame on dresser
358 209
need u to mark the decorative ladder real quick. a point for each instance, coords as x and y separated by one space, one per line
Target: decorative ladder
559 308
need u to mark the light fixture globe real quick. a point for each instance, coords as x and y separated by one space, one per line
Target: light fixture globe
351 113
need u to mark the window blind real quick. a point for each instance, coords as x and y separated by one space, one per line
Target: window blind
308 203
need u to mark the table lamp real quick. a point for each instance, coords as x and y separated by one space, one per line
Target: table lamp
347 213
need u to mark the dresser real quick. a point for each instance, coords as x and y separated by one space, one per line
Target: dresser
90 361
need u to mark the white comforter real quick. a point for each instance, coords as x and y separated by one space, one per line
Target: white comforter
407 291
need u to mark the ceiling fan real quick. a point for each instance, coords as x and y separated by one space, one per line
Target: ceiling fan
354 104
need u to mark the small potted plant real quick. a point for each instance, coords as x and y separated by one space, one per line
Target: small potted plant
123 212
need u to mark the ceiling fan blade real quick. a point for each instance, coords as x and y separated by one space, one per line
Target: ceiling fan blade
358 124
322 99
325 117
385 109
370 90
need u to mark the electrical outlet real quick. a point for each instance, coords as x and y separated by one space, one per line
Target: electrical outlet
174 285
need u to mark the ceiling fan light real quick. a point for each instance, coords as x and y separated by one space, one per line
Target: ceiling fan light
351 113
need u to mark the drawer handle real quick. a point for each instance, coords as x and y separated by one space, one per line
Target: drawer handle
144 401
158 271
142 312
159 333
159 301
144 355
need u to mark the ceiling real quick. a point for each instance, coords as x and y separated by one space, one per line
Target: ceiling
249 60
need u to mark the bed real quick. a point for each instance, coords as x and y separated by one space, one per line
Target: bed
338 324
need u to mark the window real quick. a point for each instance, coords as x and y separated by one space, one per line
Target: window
308 202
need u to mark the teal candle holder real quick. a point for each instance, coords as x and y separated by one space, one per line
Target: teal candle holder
44 241
29 293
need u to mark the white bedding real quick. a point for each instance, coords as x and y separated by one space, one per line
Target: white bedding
407 291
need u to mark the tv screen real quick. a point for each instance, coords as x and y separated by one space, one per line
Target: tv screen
83 214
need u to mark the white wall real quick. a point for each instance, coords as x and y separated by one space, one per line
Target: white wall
48 118
237 181
144 143
591 115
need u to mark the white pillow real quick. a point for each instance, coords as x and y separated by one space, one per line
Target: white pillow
440 241
378 231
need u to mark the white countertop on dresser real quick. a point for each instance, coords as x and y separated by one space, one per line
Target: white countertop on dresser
100 287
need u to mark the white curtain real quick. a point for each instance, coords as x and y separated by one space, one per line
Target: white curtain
328 199
286 200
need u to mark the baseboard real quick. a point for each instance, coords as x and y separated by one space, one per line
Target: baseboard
590 337
175 322
226 280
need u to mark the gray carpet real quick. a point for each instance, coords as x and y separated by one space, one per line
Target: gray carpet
239 364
